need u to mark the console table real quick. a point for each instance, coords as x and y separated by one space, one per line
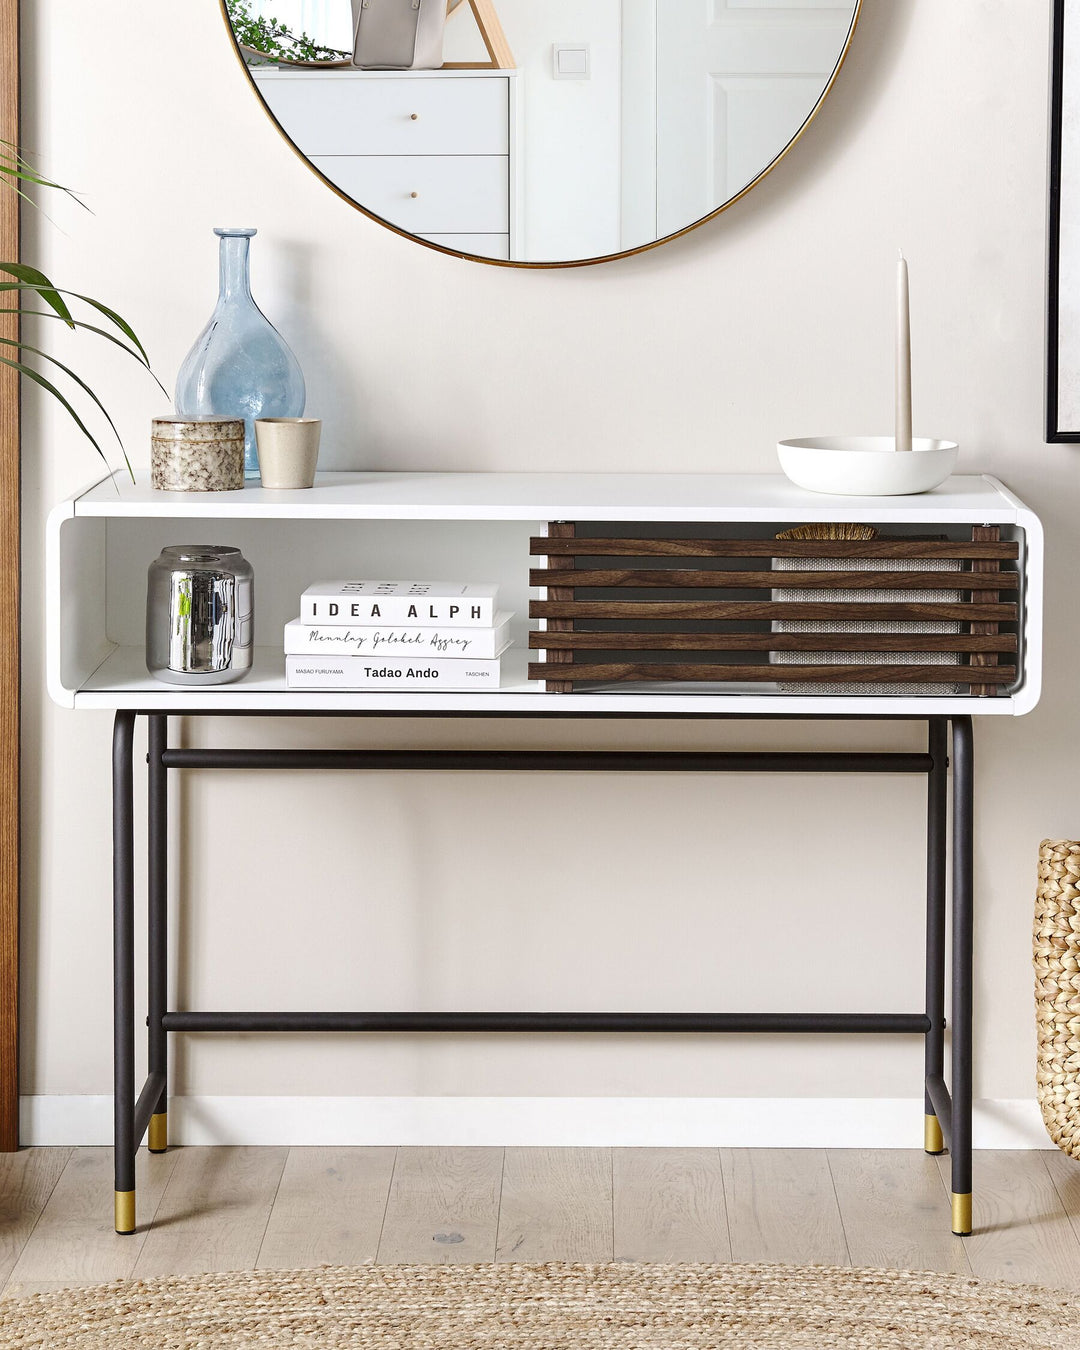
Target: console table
479 526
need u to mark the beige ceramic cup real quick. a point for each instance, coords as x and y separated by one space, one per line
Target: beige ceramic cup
288 450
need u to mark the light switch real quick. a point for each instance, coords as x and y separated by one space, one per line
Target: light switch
571 60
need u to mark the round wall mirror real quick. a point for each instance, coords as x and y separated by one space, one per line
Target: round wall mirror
546 133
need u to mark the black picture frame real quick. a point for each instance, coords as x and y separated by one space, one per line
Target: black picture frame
1055 432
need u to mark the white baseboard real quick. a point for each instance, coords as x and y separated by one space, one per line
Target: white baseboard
686 1122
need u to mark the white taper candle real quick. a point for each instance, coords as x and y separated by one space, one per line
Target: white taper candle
903 357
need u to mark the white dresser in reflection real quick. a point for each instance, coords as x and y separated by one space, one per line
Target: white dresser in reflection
434 152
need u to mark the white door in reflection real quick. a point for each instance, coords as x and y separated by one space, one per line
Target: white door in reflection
735 80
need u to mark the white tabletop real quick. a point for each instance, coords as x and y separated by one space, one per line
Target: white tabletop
557 496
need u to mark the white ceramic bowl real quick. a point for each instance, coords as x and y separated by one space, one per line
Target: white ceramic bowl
866 466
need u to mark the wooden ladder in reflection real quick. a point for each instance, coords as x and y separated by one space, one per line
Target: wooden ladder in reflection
491 30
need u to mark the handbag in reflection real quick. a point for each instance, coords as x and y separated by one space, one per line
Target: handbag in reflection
398 34
199 615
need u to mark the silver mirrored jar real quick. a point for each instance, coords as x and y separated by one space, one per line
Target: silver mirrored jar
200 615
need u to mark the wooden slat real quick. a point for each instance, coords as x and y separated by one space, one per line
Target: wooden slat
73 1242
676 578
560 530
328 1209
1065 1176
214 1211
891 1206
443 1207
1022 1232
9 615
749 610
773 642
27 1180
669 1205
555 1205
782 1206
773 548
705 671
982 534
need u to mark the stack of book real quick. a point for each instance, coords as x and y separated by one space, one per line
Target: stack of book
396 635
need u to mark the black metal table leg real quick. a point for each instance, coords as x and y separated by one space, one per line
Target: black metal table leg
157 1139
937 824
948 1115
962 926
124 973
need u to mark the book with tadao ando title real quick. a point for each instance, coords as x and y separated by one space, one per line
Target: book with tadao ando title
390 673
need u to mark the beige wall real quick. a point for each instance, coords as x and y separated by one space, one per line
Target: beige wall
773 321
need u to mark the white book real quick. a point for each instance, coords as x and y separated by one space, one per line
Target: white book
481 644
389 673
427 604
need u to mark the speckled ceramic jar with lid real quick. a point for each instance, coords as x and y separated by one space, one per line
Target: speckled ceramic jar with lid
197 454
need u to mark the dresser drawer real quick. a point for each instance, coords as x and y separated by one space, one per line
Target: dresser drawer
427 194
350 114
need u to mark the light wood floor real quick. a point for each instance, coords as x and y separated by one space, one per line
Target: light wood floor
238 1208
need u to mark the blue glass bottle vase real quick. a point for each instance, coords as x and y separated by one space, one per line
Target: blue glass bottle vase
240 365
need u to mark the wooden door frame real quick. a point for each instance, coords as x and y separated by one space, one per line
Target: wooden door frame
9 616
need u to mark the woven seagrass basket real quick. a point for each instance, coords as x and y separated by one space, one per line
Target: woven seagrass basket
1057 991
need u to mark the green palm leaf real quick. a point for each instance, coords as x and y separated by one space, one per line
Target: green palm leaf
46 289
26 347
81 324
32 374
21 170
29 278
14 171
114 318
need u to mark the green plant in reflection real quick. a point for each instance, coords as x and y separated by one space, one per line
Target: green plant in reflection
21 279
259 35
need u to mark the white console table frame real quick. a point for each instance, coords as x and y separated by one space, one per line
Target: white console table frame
87 549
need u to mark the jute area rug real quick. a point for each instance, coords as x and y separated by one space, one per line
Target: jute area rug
548 1307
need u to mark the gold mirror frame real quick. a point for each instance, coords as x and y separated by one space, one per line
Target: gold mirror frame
547 266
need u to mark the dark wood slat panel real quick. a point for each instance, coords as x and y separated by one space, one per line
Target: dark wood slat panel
614 673
983 534
563 531
677 578
772 642
748 610
981 615
773 548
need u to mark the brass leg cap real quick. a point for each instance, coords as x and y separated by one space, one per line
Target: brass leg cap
157 1135
961 1214
933 1139
124 1211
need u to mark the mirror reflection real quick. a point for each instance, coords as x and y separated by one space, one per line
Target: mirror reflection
554 130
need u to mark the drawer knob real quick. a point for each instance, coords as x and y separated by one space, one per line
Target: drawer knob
414 195
415 117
